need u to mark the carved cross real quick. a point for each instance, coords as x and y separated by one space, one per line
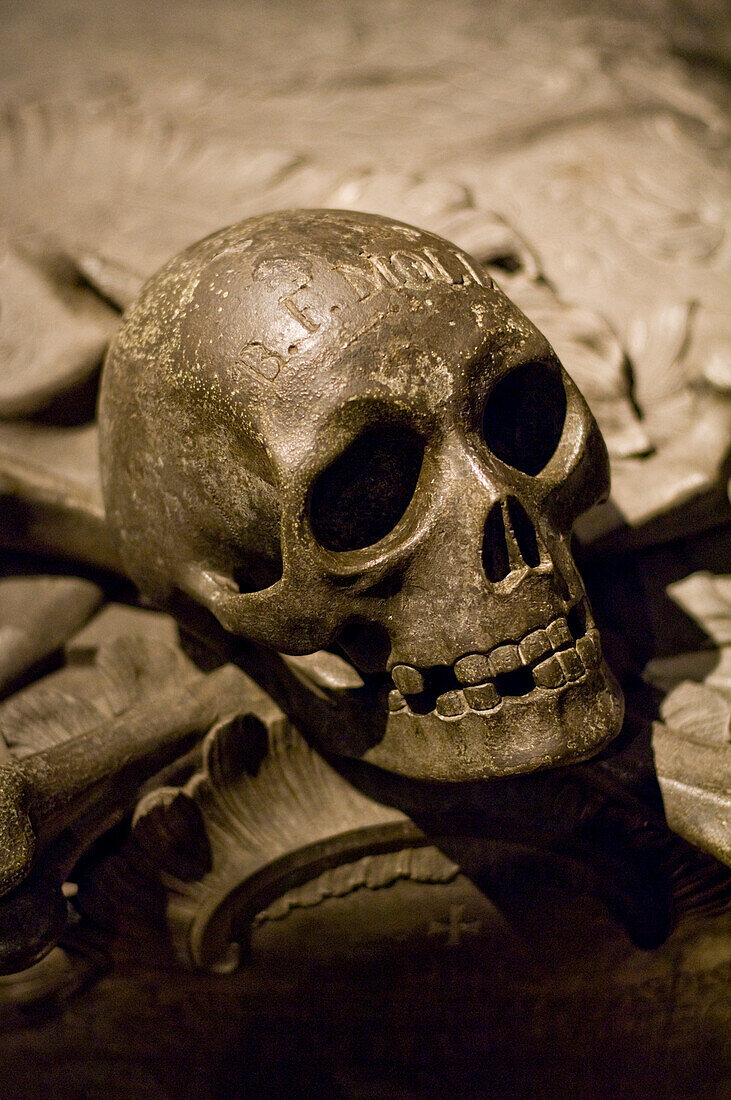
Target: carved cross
454 926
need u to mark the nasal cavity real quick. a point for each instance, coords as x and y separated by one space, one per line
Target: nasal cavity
510 541
495 557
524 532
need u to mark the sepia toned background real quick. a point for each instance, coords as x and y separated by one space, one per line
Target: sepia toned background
580 151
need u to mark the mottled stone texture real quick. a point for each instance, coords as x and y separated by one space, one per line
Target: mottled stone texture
329 428
576 151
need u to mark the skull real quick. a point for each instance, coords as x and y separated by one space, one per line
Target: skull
332 430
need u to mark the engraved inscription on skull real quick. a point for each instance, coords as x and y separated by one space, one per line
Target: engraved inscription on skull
332 431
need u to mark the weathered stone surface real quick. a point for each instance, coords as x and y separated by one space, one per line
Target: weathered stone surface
592 134
585 137
692 743
312 407
37 615
117 620
50 493
54 333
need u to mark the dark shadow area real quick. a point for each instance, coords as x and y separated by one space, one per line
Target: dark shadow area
73 406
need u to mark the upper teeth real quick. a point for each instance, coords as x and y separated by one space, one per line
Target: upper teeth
478 667
550 656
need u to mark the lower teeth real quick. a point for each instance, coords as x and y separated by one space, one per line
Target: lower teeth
554 671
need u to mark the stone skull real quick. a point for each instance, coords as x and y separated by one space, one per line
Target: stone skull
333 431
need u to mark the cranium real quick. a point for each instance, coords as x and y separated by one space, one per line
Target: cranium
333 430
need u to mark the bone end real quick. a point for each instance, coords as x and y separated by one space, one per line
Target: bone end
17 839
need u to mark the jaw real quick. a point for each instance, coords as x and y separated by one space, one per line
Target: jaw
544 728
545 701
548 727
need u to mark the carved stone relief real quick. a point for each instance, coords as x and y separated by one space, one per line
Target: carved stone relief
577 155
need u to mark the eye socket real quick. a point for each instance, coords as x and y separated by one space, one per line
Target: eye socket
524 416
363 494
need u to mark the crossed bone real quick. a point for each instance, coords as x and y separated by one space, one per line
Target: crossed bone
54 803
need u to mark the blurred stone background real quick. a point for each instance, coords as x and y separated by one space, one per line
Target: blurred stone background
580 148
